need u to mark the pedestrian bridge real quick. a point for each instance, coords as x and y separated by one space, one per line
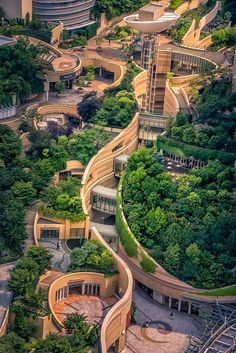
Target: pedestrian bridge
119 164
104 199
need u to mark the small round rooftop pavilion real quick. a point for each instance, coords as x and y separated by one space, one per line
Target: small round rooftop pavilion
151 19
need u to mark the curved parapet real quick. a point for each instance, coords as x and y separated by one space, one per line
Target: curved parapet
120 285
100 167
171 104
67 109
190 5
107 65
118 318
192 36
156 26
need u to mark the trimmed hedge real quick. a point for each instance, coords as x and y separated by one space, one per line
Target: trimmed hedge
200 153
147 264
125 233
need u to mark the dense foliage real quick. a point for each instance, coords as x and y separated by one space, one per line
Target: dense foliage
79 339
188 225
63 200
118 105
25 61
211 135
113 8
34 28
81 146
224 37
91 256
27 300
184 22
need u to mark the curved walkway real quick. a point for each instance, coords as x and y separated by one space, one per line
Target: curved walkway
58 249
5 294
217 57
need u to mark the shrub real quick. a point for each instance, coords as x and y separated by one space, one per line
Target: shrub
148 264
126 236
203 154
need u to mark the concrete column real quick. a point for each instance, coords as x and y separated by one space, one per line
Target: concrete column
179 305
83 288
46 96
170 302
189 308
100 71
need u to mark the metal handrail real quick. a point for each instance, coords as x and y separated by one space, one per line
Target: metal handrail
216 334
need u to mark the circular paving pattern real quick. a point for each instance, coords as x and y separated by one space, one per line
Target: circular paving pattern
162 328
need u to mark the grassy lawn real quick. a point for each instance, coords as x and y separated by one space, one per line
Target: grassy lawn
228 291
170 149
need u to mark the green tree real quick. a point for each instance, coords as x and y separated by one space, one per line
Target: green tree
24 191
53 343
60 87
41 256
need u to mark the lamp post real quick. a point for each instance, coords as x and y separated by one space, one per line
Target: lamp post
2 21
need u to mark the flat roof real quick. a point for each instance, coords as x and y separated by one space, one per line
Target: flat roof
122 158
105 192
150 7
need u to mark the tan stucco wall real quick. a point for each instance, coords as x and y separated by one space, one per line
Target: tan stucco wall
58 108
190 5
16 8
64 226
171 105
107 287
56 34
115 322
3 327
100 166
192 36
107 65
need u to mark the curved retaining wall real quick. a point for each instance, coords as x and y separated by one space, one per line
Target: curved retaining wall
190 5
100 167
107 65
115 322
192 36
171 104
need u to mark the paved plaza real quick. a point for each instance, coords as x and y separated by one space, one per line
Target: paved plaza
94 308
163 334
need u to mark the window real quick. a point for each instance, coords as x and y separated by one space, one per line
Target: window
77 233
50 233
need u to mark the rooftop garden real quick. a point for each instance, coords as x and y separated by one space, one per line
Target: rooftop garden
28 301
211 134
92 256
118 105
63 200
187 224
113 8
19 26
30 72
223 37
184 22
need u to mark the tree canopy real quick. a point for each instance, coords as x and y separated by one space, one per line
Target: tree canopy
22 71
187 224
